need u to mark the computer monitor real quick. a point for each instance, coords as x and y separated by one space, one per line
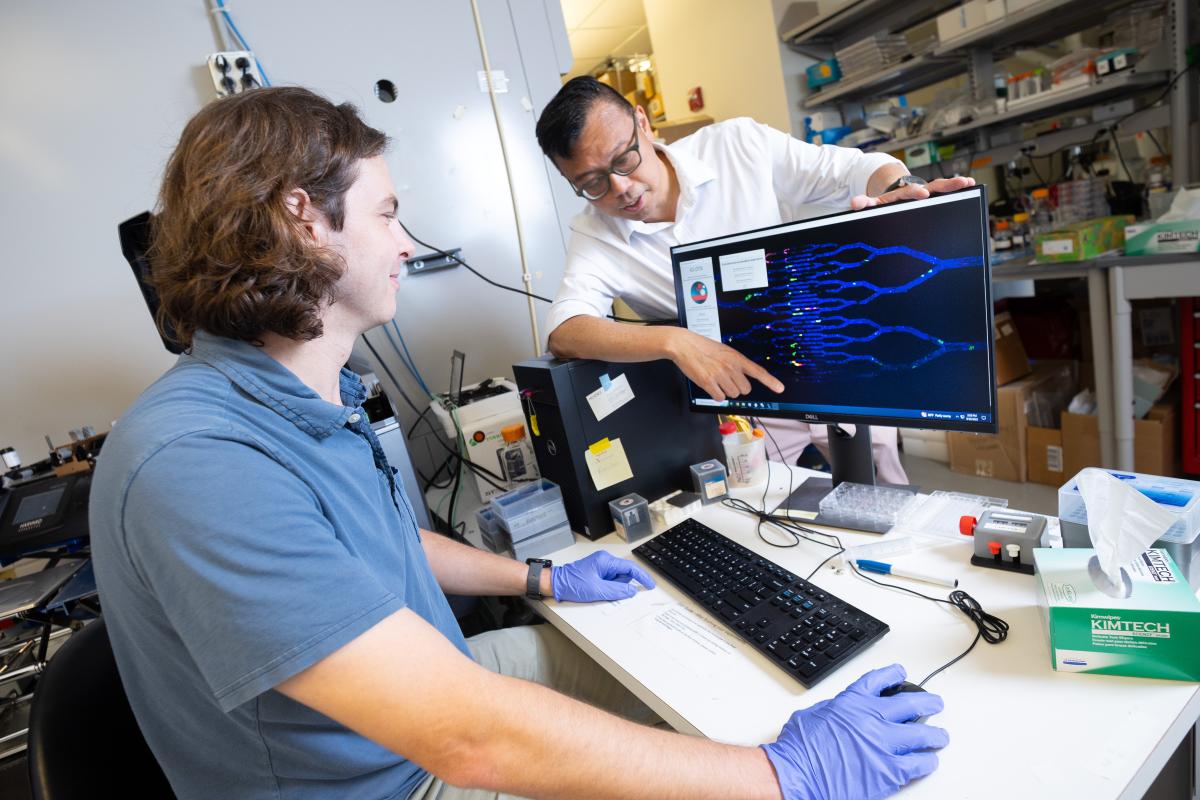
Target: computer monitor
875 317
882 316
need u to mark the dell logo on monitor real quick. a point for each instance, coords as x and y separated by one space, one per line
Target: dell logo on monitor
813 417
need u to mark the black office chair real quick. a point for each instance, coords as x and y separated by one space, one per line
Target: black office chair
83 739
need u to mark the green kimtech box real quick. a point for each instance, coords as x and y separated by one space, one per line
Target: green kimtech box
1147 628
1152 238
1081 241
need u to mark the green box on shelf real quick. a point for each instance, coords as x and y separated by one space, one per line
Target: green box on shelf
922 155
1081 241
1151 238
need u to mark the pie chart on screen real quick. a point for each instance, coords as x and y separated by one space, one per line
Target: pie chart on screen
699 292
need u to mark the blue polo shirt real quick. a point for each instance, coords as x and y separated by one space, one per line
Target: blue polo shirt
242 530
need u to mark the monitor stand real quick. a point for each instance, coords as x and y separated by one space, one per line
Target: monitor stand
851 461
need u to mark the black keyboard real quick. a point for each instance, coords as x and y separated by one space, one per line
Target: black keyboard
808 632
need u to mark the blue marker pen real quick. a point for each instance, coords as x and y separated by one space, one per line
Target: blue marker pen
904 572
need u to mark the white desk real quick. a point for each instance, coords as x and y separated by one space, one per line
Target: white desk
1017 727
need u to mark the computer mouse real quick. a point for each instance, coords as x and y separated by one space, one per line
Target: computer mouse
904 686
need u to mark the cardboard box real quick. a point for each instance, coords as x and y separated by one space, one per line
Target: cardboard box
1153 441
673 130
1082 240
1002 455
1163 237
933 445
1011 361
1151 633
974 14
951 24
1044 449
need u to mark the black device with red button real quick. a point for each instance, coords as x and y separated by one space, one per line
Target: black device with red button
1005 539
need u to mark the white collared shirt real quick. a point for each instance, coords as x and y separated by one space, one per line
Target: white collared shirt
733 176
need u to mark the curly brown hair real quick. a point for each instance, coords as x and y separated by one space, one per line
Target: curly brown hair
227 255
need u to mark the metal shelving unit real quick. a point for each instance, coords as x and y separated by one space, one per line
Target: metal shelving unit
1037 24
903 77
1052 103
973 54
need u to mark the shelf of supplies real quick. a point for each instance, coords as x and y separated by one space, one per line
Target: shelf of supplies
1052 103
832 24
896 79
1026 269
1036 24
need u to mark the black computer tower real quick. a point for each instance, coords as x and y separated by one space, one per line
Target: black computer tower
661 437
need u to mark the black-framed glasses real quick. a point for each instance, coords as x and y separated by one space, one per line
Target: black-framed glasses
624 164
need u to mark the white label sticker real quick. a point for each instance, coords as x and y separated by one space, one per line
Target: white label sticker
1054 458
1058 247
605 401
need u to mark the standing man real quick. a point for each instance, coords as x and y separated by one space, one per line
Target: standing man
277 617
644 198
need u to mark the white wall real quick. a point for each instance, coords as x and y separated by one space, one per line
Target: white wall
729 49
94 98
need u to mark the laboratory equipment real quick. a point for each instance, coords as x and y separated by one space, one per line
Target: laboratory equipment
1005 539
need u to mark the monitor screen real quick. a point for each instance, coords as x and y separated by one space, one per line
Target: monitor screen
880 316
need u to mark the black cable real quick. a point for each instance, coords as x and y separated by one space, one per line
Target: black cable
1033 166
615 318
515 290
473 271
1165 92
387 370
420 418
989 627
1120 157
478 469
1154 139
784 523
487 474
454 494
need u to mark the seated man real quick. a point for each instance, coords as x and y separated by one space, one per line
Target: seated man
644 198
278 618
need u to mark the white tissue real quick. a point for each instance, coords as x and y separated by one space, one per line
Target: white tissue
1185 205
1121 521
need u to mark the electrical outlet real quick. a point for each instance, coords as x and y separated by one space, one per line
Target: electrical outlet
233 72
419 265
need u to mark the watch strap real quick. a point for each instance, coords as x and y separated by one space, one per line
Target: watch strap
905 180
533 580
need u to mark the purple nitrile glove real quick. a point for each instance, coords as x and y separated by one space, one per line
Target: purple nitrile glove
600 576
858 745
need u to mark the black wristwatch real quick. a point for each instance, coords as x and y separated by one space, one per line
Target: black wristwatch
905 180
533 581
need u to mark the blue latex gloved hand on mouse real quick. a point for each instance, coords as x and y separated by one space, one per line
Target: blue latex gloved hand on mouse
858 746
600 576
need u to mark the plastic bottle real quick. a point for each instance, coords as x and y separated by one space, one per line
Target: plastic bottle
1002 243
745 455
1021 240
1042 215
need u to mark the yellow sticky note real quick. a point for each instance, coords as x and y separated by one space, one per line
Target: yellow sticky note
608 464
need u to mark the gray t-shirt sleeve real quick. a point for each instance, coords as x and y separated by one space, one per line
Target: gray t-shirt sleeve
251 575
